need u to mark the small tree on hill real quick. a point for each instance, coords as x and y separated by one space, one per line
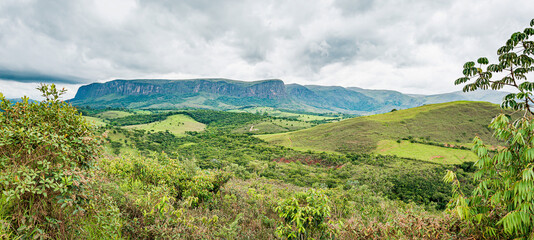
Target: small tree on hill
502 205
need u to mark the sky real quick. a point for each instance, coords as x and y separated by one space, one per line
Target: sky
412 46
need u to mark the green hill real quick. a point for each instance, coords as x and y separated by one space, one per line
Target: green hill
454 123
176 124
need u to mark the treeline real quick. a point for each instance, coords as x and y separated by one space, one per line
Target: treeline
89 111
329 114
216 120
141 118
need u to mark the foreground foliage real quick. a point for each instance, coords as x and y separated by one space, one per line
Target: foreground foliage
502 205
46 150
305 214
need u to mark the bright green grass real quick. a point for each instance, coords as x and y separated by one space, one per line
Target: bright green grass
425 152
95 121
176 124
139 111
113 114
278 113
455 122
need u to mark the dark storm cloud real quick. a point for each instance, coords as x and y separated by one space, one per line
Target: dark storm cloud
32 77
413 46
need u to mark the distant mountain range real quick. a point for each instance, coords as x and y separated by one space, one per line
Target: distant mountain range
16 100
224 94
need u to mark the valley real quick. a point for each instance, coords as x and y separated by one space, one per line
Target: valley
190 168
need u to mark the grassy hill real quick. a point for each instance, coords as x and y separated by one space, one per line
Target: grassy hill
454 123
176 124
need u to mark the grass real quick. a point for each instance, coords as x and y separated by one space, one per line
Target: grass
139 111
454 122
113 114
425 152
176 124
95 121
280 113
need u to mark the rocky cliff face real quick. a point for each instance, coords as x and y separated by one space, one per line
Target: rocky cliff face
224 94
271 89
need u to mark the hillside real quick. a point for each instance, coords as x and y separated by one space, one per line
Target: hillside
454 123
225 94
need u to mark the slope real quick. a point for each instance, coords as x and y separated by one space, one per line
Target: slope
454 123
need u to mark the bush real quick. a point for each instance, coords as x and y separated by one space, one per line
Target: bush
46 149
184 181
305 214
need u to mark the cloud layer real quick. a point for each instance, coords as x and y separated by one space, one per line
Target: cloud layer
411 46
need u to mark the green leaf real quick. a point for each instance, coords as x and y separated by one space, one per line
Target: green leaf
483 60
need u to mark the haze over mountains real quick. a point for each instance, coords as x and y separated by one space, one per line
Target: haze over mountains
224 94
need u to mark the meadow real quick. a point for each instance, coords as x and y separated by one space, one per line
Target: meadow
425 152
176 124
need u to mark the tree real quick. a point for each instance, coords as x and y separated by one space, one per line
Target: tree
502 205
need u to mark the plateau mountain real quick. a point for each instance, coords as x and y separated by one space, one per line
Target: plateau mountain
225 94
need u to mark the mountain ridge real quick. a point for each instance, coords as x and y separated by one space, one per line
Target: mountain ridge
226 94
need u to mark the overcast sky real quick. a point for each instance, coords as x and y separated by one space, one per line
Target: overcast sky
409 46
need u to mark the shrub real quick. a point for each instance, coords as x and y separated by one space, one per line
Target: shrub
202 187
184 181
46 149
305 214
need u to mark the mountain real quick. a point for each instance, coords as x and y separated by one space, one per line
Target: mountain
224 94
487 96
16 100
386 100
260 89
453 123
197 93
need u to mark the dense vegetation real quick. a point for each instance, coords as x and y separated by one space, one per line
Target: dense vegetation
247 156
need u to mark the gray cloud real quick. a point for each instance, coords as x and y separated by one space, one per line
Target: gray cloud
32 77
413 46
